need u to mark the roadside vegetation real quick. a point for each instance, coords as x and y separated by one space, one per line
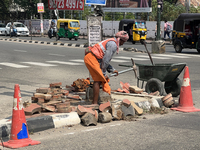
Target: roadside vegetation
9 10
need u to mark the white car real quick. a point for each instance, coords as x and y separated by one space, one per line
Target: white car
2 29
22 30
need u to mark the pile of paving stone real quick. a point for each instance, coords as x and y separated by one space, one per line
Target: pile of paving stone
53 99
108 111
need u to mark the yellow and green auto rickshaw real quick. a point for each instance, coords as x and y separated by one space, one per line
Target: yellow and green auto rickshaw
68 28
135 28
186 32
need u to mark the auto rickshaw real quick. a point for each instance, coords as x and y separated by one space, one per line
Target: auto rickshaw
68 28
135 28
186 32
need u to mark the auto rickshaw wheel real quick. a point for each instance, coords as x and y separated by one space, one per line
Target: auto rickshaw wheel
57 37
173 87
154 85
178 48
70 38
76 38
142 41
133 42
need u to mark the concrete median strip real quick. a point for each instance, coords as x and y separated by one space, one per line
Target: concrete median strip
41 123
63 44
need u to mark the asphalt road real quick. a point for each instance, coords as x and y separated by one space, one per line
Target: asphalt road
33 66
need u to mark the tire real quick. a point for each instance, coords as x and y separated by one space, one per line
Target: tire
76 38
173 87
133 42
70 38
57 38
178 48
154 85
142 41
198 50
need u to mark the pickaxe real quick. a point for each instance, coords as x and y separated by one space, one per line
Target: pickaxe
134 68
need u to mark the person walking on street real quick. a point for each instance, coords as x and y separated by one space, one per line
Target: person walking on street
97 59
52 26
167 30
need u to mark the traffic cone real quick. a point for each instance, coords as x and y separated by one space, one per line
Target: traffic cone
19 136
185 99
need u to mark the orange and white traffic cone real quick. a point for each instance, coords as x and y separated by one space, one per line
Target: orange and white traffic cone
19 136
185 99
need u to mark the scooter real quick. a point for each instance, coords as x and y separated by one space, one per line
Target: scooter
13 32
50 35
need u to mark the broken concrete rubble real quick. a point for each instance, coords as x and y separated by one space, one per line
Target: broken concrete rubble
105 117
135 89
88 119
80 85
105 107
168 100
128 111
116 106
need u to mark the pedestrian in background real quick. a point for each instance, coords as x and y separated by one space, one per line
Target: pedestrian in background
97 59
167 30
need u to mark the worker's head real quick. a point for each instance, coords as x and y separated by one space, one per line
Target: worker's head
122 36
165 21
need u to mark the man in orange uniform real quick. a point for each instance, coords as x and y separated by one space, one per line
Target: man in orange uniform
97 61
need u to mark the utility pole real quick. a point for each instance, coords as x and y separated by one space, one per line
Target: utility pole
158 46
41 21
158 19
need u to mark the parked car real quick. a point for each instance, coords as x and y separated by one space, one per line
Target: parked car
22 30
2 29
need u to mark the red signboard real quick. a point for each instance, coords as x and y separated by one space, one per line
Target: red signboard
40 7
66 4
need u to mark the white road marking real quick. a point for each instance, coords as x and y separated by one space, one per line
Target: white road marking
92 129
56 55
77 60
170 56
39 64
14 65
115 125
64 63
134 58
19 50
117 60
69 133
197 55
154 57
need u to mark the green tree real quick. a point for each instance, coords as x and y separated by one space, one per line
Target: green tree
4 9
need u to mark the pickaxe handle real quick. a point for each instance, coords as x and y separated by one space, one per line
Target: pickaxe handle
134 68
120 72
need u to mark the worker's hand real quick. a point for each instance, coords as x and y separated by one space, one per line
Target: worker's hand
107 79
115 71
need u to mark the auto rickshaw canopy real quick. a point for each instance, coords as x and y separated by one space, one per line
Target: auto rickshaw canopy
179 22
69 21
128 22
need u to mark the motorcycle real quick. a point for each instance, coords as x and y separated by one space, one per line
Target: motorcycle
13 32
50 34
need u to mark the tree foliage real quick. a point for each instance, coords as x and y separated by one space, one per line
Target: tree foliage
4 9
171 10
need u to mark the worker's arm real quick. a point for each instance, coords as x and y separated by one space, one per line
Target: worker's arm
111 48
